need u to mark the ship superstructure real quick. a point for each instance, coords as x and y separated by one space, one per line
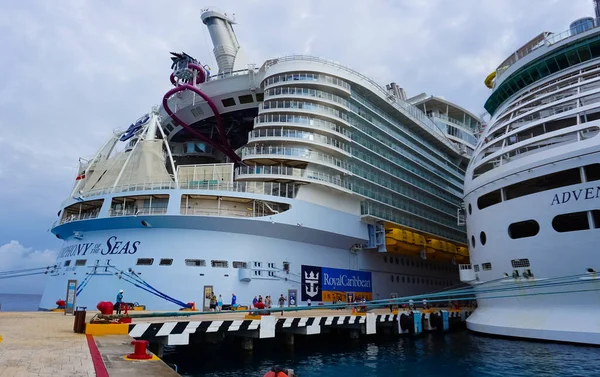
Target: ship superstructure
259 180
532 191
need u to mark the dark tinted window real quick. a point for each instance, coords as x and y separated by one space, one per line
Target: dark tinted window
571 222
489 199
592 172
546 182
596 216
166 262
228 102
522 229
145 261
482 238
246 98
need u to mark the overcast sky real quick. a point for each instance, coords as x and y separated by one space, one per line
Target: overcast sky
72 71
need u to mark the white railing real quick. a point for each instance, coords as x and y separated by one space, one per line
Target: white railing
285 190
411 111
549 40
295 152
67 218
292 172
136 212
296 134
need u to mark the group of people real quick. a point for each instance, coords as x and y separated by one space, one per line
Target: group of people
216 304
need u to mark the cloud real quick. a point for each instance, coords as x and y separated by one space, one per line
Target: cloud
15 256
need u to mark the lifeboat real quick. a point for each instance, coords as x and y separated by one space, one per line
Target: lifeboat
404 241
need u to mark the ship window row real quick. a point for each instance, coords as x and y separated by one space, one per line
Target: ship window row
549 126
562 59
139 205
190 263
536 146
411 262
420 175
319 77
386 212
301 119
363 108
564 223
410 150
396 188
536 185
420 281
304 105
309 136
296 152
297 91
586 79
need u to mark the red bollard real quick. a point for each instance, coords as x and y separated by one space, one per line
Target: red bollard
139 350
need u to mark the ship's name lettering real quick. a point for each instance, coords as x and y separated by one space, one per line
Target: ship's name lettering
576 195
113 246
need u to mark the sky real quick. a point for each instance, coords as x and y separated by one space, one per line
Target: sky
75 70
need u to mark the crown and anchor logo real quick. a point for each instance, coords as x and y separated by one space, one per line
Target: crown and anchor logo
311 281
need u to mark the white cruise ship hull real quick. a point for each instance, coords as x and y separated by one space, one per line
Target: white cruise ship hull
306 234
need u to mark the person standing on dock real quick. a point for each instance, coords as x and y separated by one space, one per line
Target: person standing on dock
233 301
219 303
119 301
281 303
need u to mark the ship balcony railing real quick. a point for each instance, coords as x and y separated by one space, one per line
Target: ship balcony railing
114 212
190 211
292 172
404 107
290 78
261 188
295 152
312 137
305 92
285 119
67 218
332 100
549 39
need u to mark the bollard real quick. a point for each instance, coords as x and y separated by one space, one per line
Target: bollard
139 350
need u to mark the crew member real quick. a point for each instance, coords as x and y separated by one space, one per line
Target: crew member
119 302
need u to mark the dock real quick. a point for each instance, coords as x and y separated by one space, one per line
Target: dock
45 344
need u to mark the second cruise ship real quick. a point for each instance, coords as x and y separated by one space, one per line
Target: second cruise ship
299 177
533 192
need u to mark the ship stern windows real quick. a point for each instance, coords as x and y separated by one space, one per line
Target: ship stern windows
155 204
82 210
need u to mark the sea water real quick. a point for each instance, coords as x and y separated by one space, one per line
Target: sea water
19 302
454 354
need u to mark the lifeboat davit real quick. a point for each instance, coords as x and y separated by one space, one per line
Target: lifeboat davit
404 241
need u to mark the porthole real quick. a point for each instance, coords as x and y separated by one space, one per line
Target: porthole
397 279
384 259
473 241
403 279
482 238
392 278
470 209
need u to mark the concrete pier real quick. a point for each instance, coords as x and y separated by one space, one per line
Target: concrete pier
44 344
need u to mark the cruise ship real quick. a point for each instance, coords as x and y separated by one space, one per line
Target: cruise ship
532 192
299 177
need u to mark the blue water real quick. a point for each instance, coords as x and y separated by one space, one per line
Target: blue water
462 353
19 303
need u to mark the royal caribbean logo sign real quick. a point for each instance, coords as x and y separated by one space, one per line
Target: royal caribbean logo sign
311 283
332 284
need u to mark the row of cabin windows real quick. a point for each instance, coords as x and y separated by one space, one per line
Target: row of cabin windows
247 98
544 183
568 222
189 262
414 280
419 264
